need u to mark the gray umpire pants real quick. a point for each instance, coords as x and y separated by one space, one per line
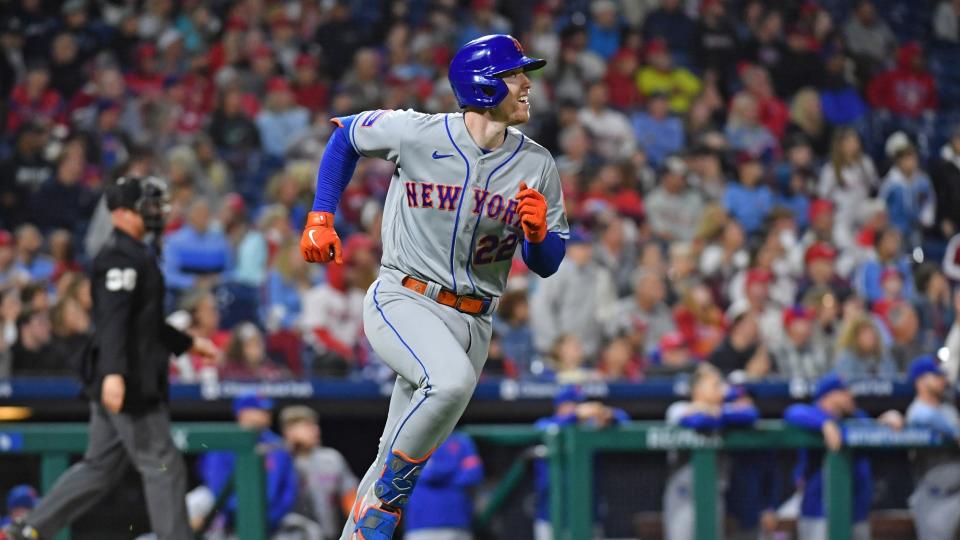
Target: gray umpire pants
117 440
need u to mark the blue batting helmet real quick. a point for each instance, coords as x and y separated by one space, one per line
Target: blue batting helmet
475 68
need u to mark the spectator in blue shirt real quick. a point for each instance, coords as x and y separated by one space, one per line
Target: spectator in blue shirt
288 280
281 121
248 255
907 191
603 33
887 254
658 133
841 101
20 501
570 408
512 324
832 410
217 468
441 508
38 266
748 201
671 24
483 20
195 255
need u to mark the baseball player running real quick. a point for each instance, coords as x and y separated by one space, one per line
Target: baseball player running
467 191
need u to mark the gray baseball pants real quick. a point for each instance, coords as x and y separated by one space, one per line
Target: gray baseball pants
437 353
117 440
935 503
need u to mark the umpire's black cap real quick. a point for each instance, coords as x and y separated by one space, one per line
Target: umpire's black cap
124 193
146 196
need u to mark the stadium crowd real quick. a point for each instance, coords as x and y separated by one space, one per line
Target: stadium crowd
770 186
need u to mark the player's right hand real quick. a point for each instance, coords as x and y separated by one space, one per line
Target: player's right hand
112 392
320 243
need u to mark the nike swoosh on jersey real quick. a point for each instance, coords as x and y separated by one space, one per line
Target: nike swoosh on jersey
440 156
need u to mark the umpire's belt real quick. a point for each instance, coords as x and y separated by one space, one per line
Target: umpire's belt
471 305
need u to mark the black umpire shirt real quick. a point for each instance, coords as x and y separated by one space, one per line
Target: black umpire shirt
132 337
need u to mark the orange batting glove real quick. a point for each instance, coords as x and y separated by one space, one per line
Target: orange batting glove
320 243
533 213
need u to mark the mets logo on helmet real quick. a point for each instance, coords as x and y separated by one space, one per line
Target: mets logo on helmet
517 45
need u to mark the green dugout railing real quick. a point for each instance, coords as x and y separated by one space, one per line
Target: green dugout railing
56 442
570 453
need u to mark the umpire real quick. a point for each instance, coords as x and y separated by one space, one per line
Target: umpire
125 376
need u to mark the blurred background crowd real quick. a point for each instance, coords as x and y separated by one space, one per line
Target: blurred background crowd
770 186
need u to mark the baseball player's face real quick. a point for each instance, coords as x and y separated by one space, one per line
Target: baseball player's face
935 384
515 108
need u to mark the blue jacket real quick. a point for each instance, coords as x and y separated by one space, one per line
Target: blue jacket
867 279
187 253
908 201
809 469
282 298
659 138
750 207
441 499
603 41
842 106
216 468
541 470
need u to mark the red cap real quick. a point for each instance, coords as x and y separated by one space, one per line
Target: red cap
482 4
656 46
542 8
908 52
305 60
796 313
672 341
709 4
6 239
758 275
819 207
146 50
820 251
889 272
278 84
236 24
808 8
260 52
235 202
746 157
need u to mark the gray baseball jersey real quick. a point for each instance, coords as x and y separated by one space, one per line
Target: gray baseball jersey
325 478
450 215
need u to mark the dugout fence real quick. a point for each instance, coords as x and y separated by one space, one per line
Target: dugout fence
570 455
55 443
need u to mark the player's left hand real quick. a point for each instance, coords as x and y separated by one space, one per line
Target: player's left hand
533 213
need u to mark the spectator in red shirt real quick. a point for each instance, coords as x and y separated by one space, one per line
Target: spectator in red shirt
308 90
34 100
906 90
772 112
620 79
146 80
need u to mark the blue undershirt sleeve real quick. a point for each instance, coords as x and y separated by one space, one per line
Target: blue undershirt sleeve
336 168
544 258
